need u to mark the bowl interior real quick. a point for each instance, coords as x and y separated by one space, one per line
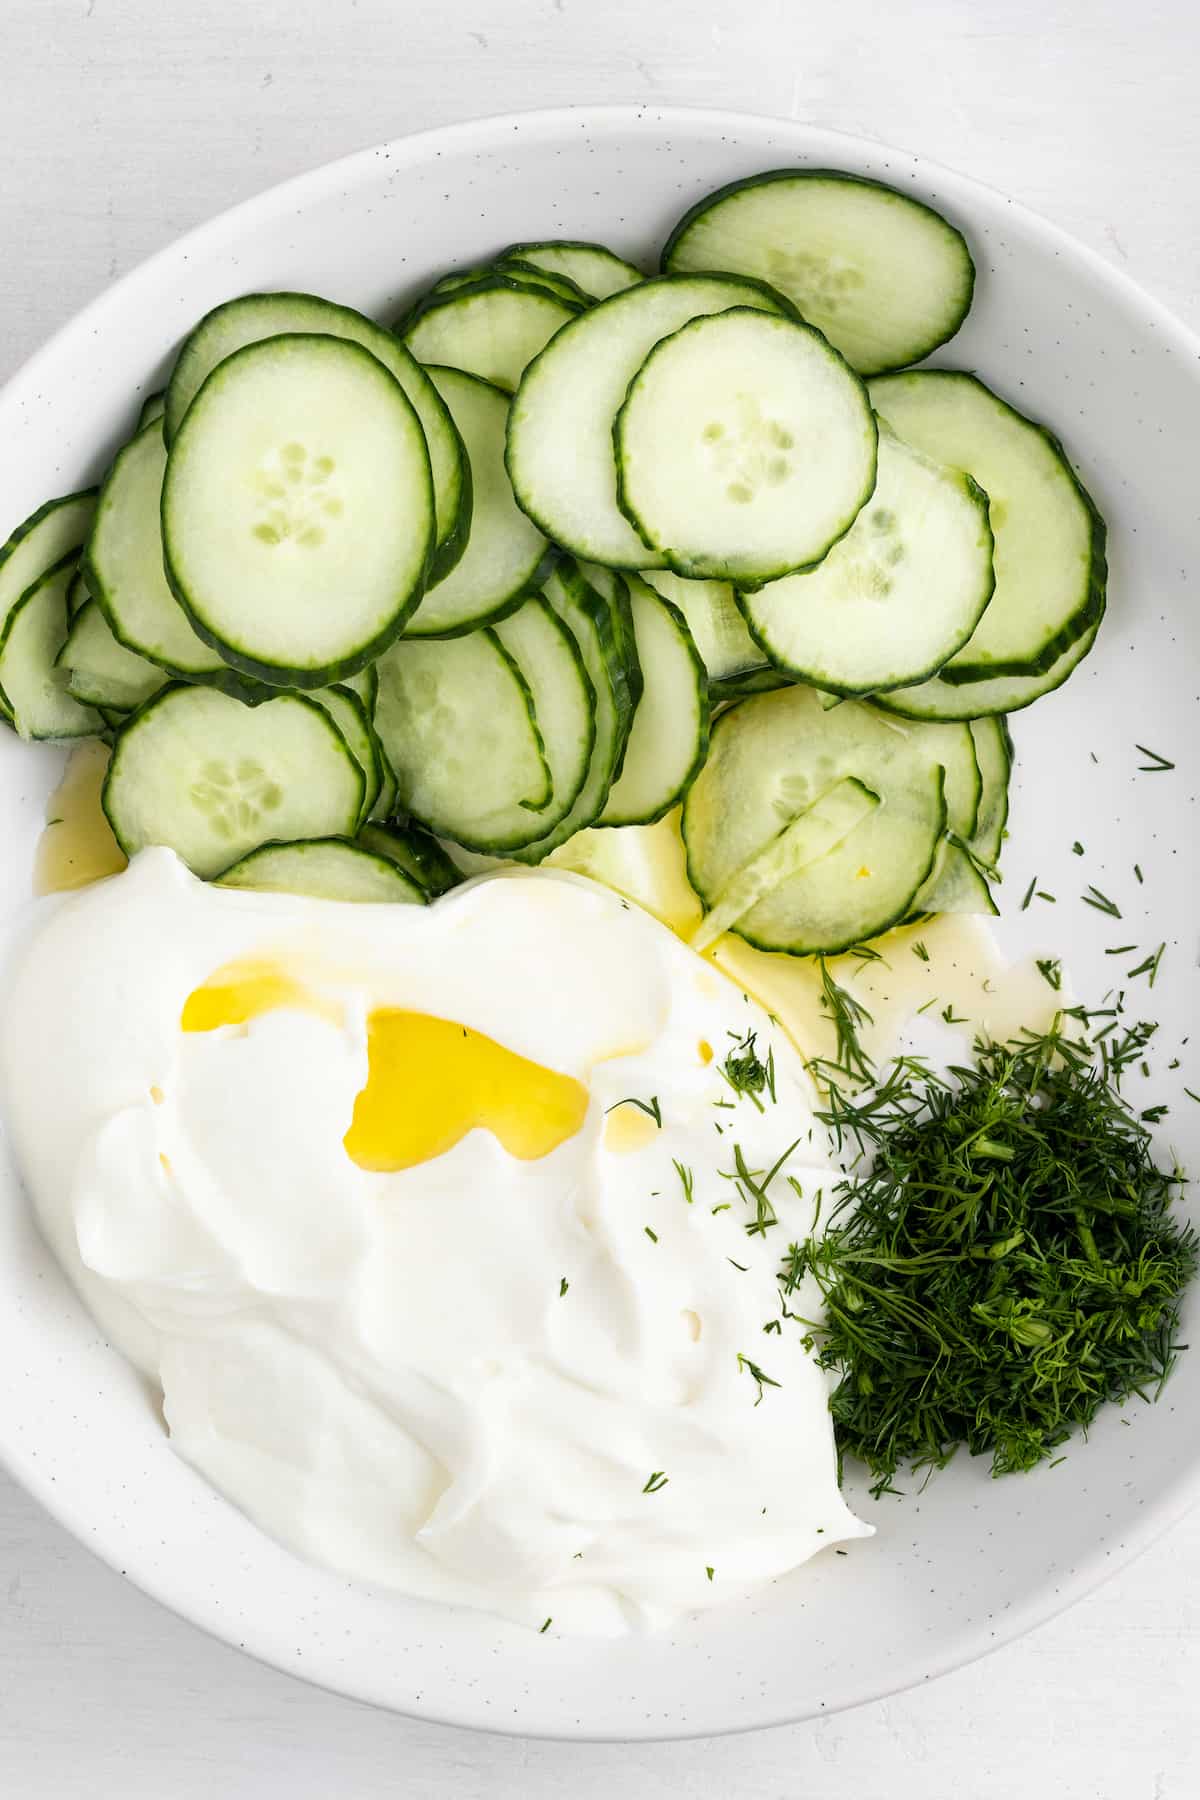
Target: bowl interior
968 1562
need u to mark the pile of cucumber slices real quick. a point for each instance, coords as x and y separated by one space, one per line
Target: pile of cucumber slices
565 547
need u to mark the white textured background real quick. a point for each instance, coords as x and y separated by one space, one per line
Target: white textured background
123 123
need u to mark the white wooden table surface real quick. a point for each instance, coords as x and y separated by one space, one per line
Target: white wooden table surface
124 122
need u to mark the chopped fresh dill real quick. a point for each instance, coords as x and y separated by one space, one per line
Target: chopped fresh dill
545 1628
1101 902
1077 848
745 1073
687 1180
1008 1265
847 1016
1156 764
652 1235
920 951
1119 949
1149 967
656 1482
724 1207
740 1267
927 1005
773 1325
563 1285
1138 873
1030 891
951 1017
1043 895
650 1107
1191 1096
759 1376
1152 1114
709 1571
1050 970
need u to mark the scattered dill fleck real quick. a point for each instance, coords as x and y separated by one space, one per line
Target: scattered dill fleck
650 1107
927 1005
1191 1096
652 1235
920 951
1030 891
740 1267
1043 895
1101 902
1137 871
1156 764
657 1481
708 1571
1077 848
1153 1114
745 1073
686 1178
724 1207
563 1285
1008 1265
1050 970
1119 949
545 1628
951 1017
759 1376
753 1187
1149 967
773 1325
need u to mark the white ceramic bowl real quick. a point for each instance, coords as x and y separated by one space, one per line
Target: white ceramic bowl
969 1562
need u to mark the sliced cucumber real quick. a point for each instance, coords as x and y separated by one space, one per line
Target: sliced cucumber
809 838
213 779
564 699
994 755
123 564
366 685
545 281
415 853
599 272
100 671
561 459
153 407
457 724
326 869
900 594
352 719
956 884
252 317
597 627
40 543
718 629
385 804
491 328
77 594
938 699
1049 555
771 759
34 632
885 278
613 589
506 555
745 447
668 738
751 681
297 509
953 746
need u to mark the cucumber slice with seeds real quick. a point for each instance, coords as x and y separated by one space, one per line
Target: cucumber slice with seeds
492 328
563 696
456 720
352 719
297 509
884 277
901 592
415 853
994 755
713 616
252 317
668 736
213 779
952 745
598 629
506 555
560 455
100 671
770 760
938 699
1050 540
34 687
123 564
745 447
598 271
324 869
